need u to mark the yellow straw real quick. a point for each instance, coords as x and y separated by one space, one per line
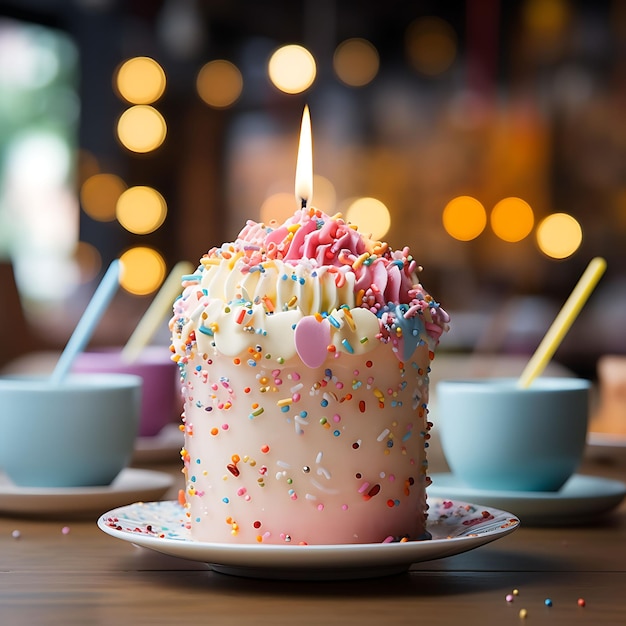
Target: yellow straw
158 309
563 322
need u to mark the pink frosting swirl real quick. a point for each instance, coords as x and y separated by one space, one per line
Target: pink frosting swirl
382 276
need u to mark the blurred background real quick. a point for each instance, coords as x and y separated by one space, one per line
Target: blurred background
489 136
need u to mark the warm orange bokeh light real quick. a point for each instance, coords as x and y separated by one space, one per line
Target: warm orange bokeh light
292 69
141 128
512 219
559 235
219 83
143 270
99 195
356 62
431 45
464 218
140 80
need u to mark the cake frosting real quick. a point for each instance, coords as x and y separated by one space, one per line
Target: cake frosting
304 350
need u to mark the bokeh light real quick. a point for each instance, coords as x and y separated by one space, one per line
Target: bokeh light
143 270
371 216
140 80
512 219
325 197
277 207
356 62
219 83
141 210
88 260
292 69
87 165
141 128
431 45
99 195
464 218
559 235
545 17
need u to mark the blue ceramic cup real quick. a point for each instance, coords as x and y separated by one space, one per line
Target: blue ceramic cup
78 433
497 436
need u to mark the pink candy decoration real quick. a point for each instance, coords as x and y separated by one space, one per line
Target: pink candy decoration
312 338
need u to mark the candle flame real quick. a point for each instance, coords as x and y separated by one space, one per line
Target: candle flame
304 164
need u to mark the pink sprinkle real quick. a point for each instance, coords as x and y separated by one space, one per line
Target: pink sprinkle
388 539
65 530
509 597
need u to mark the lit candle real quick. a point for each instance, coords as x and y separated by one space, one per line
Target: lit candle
304 164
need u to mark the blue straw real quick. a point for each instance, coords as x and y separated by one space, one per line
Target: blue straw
88 322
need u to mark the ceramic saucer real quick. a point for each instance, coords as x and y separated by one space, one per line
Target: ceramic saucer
161 448
130 485
455 527
581 499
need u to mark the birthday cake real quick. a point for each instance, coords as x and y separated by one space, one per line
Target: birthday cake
304 351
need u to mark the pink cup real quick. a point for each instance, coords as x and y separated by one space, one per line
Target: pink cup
160 397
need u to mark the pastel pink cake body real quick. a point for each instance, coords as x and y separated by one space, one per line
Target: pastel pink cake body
305 404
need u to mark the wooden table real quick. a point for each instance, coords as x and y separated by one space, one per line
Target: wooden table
86 577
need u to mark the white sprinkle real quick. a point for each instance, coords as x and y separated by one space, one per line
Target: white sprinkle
324 489
382 435
322 471
328 396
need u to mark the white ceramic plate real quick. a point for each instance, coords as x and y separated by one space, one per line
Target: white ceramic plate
581 499
161 448
130 485
455 527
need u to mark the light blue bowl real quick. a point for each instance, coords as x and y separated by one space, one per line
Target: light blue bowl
78 433
497 436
